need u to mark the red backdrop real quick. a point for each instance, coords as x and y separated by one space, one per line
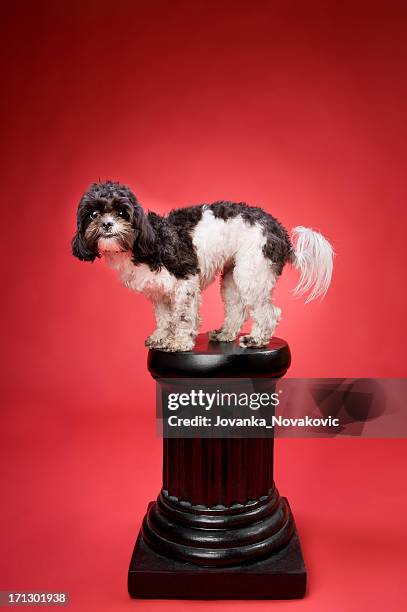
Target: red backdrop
298 107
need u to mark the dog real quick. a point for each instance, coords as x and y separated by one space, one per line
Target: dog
172 258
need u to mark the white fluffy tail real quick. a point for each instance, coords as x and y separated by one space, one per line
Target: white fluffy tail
313 257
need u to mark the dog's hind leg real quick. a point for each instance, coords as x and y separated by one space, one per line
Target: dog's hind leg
255 280
266 317
235 311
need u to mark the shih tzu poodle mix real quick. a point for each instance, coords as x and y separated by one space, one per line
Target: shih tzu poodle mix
172 258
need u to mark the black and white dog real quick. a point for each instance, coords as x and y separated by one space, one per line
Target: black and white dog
172 258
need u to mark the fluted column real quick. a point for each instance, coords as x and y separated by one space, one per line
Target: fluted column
218 471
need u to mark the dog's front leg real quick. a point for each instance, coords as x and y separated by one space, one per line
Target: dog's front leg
184 321
162 311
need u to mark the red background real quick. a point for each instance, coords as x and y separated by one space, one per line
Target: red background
298 107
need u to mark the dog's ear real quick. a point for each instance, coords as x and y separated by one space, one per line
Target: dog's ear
81 250
144 237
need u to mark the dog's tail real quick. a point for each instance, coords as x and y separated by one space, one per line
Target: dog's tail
313 257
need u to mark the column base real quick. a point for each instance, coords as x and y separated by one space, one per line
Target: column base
280 576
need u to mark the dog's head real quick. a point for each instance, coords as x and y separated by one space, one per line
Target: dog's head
109 220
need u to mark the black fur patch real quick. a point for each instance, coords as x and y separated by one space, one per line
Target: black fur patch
172 246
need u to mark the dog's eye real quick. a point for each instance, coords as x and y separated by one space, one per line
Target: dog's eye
93 214
122 213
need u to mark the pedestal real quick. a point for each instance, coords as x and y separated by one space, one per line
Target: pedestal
219 528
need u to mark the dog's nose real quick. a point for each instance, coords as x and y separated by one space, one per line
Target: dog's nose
107 225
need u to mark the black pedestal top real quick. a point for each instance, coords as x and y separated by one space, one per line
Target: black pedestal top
222 360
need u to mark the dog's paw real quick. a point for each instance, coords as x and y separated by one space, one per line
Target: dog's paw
252 342
218 335
178 345
155 341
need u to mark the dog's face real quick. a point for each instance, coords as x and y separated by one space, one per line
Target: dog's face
109 226
109 220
